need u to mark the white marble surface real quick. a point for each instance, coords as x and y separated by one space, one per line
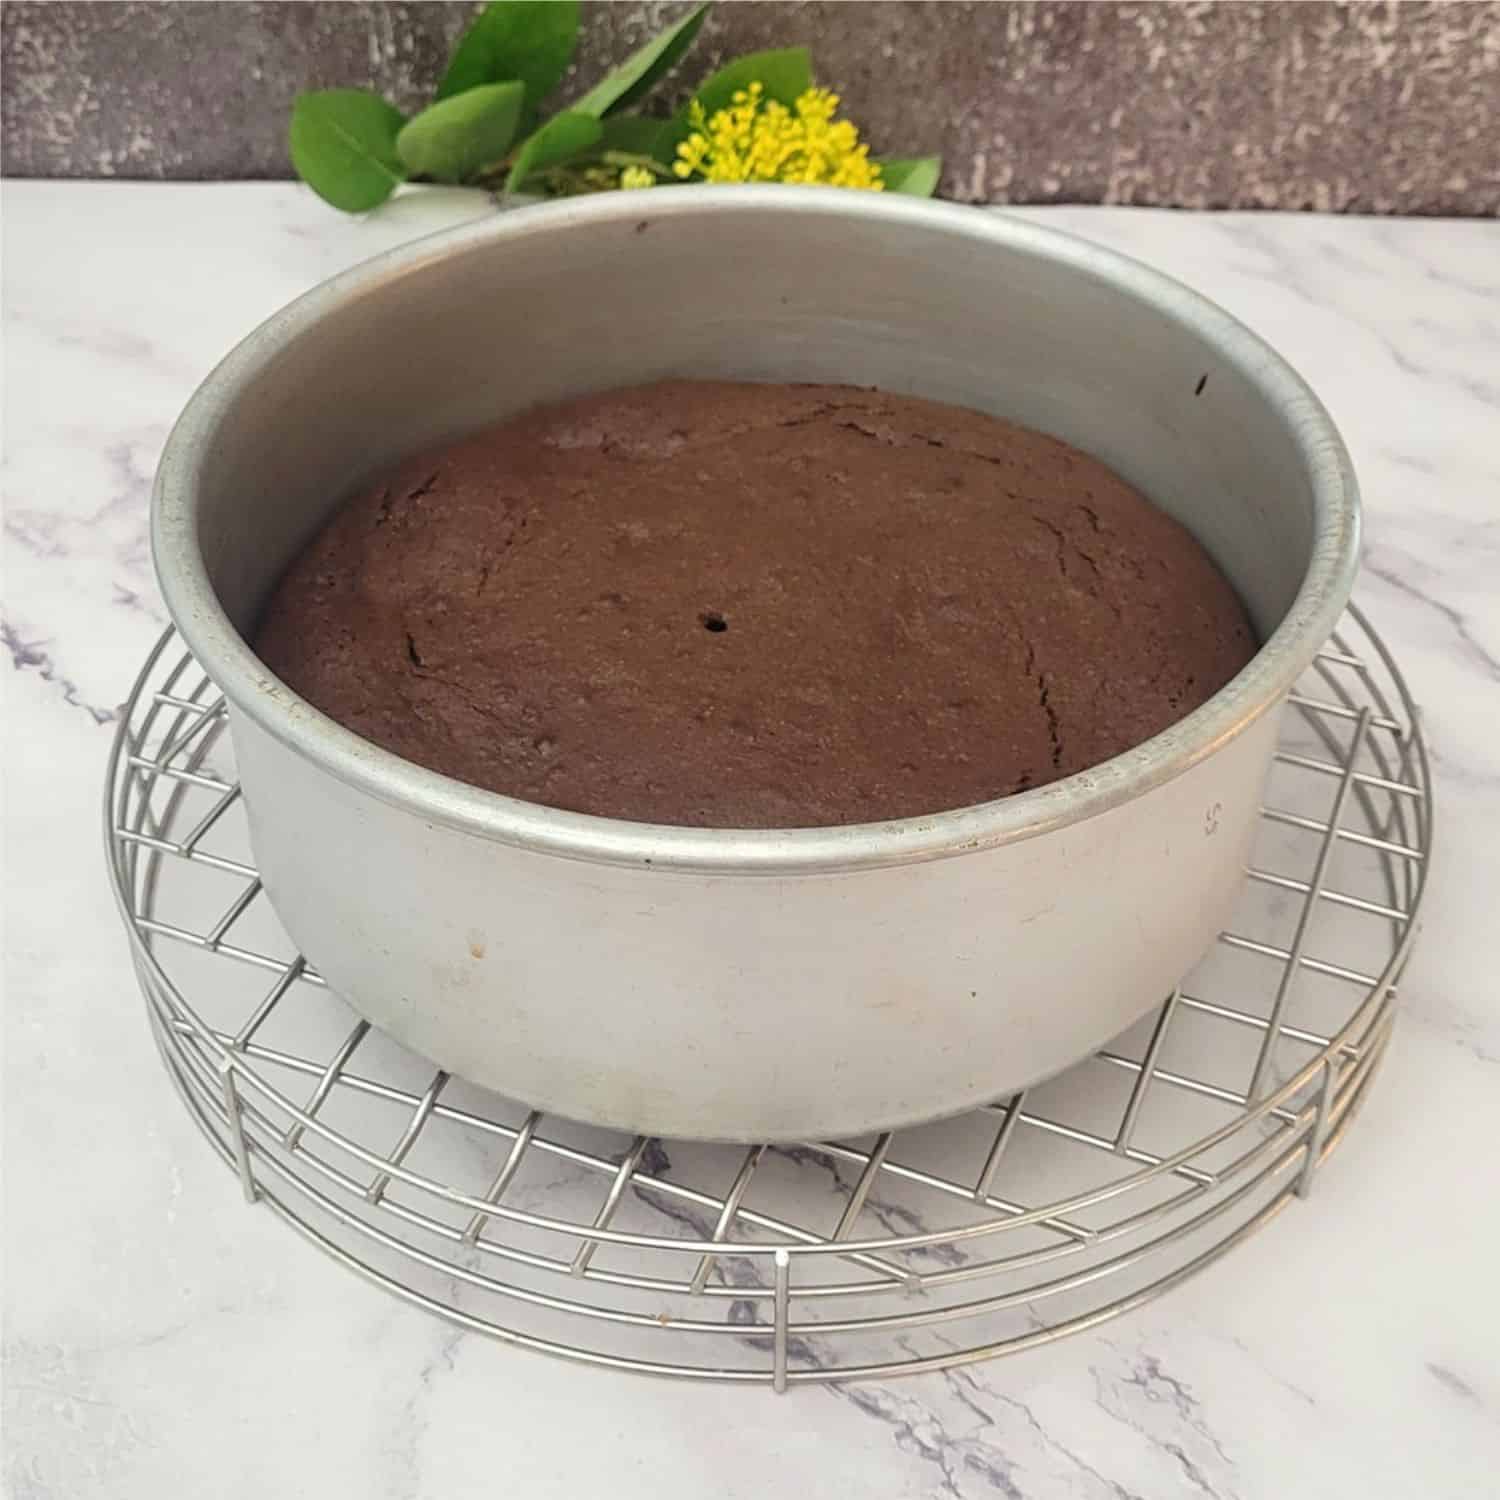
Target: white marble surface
163 1339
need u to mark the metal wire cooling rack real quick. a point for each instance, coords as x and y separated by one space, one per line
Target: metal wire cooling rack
1037 1216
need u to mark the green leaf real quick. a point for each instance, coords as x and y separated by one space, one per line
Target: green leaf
917 175
785 75
343 145
643 67
640 135
452 139
530 40
562 136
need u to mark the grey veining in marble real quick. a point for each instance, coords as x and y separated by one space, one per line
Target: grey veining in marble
1360 107
161 1338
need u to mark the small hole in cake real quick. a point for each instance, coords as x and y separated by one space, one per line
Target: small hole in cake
714 622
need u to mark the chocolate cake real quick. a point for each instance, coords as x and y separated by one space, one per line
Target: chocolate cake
745 606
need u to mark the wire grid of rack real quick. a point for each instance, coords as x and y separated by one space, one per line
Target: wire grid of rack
1007 1227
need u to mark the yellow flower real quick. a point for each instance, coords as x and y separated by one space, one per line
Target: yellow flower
637 177
760 140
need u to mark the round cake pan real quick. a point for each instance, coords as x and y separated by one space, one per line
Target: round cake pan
767 984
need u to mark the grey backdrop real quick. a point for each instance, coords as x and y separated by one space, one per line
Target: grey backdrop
1384 108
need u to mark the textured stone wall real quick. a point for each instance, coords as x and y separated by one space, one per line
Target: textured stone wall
1384 108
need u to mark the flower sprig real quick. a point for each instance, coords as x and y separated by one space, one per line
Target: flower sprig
759 119
757 139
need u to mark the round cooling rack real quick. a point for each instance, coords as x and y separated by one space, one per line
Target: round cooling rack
1036 1216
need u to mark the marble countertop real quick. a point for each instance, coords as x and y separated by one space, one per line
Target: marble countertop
162 1339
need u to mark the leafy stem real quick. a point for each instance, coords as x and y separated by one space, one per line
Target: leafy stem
485 126
631 159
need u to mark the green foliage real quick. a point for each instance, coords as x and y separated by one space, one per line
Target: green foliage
344 147
527 41
563 136
483 127
640 71
917 175
454 139
784 75
640 135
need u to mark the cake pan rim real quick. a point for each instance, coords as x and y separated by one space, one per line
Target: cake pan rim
251 689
